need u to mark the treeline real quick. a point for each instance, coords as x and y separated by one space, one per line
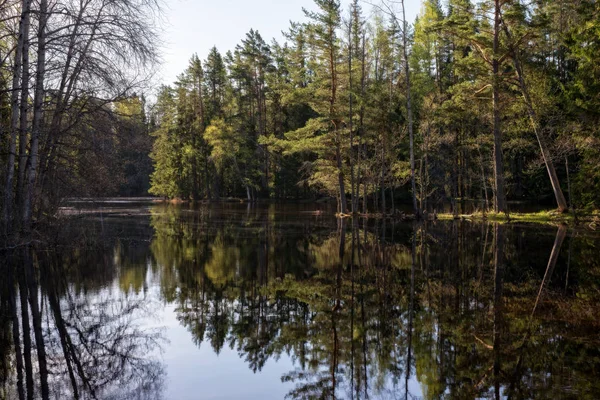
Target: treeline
70 121
489 101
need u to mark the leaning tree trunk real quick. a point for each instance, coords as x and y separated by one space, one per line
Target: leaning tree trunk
38 103
558 193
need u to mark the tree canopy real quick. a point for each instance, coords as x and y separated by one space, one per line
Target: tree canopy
500 96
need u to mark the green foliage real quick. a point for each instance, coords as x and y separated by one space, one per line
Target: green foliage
325 112
166 179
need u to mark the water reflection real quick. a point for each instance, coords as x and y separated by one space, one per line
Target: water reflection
363 309
72 342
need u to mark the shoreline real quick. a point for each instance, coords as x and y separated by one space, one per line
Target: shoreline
580 217
553 217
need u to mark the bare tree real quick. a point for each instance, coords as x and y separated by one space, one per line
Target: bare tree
96 56
38 111
14 118
88 54
23 123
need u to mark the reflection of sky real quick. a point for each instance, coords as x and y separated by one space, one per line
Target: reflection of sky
199 373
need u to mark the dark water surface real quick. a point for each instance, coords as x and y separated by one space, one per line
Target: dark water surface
134 300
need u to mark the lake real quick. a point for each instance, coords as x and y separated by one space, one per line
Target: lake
131 299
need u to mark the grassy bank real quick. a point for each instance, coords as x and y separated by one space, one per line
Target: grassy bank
540 217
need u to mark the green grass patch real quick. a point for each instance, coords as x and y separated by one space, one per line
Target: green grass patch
540 217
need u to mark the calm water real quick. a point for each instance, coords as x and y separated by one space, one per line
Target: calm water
139 301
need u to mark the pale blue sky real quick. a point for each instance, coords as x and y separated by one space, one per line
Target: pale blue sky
194 26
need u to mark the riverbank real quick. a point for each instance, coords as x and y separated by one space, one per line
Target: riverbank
552 217
541 217
580 217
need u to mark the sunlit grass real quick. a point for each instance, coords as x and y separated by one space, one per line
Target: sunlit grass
540 217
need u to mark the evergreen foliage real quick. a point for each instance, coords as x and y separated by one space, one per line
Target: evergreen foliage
325 113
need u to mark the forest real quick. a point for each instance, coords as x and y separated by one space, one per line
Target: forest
339 212
492 101
489 101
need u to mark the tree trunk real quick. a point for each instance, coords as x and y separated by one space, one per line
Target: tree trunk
483 182
365 197
200 76
417 211
343 203
14 118
24 103
558 193
350 118
38 103
70 76
207 175
382 180
332 117
500 204
195 186
360 129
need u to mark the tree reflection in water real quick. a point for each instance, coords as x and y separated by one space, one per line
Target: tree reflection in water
72 343
363 308
466 310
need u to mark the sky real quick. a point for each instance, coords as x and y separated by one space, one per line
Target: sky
195 26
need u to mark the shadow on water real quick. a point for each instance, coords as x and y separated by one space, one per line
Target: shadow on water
362 309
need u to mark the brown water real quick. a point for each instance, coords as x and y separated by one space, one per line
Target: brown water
135 300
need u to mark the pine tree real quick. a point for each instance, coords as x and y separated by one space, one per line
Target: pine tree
324 26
